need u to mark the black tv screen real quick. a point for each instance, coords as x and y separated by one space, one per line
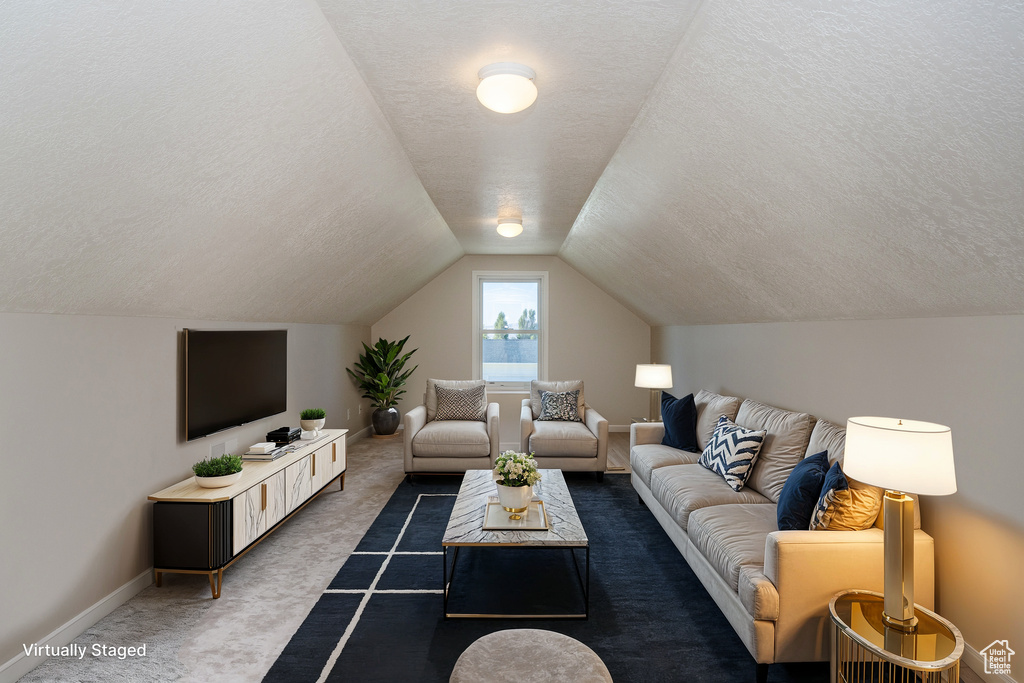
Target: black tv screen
232 378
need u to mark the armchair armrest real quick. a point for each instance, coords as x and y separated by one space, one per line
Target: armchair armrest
493 429
525 426
645 432
599 427
412 423
809 567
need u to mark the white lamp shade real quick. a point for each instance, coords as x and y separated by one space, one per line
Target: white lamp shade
654 376
902 455
506 87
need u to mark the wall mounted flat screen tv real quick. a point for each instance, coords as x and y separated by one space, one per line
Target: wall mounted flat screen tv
233 377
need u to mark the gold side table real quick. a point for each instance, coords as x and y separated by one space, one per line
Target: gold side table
865 649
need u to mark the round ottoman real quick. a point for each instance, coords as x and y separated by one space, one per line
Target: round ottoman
538 655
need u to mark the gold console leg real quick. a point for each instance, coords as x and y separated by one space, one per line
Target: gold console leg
158 577
215 589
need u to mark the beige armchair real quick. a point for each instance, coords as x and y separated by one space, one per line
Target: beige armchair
435 445
562 444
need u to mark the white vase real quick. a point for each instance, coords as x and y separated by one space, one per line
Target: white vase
218 482
514 499
313 426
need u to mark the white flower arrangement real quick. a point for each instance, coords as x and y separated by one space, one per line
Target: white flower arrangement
516 469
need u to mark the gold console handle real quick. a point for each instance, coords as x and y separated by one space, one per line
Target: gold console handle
263 496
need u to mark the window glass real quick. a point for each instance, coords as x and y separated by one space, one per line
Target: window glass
510 330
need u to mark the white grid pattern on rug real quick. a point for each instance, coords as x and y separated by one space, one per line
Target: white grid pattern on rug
372 590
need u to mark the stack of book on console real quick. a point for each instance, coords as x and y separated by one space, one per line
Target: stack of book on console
265 452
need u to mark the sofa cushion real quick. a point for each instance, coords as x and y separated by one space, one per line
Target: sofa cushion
732 452
452 439
461 404
758 594
537 386
801 492
732 536
645 458
430 399
785 444
679 415
681 489
843 508
830 437
569 439
560 405
710 407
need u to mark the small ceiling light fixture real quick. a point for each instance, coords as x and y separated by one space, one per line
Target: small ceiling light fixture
510 227
506 87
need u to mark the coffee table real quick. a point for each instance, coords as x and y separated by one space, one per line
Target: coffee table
565 532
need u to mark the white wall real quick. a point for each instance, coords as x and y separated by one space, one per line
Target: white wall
591 337
90 409
963 372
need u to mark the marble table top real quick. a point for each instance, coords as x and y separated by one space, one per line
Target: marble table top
465 526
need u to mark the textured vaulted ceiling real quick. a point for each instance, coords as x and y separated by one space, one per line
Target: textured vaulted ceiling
595 62
704 162
821 160
218 160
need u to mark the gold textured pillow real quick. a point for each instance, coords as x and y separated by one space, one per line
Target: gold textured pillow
845 505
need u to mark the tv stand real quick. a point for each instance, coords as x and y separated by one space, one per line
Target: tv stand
205 531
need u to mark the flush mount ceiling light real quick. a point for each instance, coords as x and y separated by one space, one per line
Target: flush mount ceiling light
510 227
506 87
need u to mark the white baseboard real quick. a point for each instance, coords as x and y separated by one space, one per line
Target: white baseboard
973 660
21 664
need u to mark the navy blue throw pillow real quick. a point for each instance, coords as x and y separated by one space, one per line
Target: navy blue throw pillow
801 491
680 417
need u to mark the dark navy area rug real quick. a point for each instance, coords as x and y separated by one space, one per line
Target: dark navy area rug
650 618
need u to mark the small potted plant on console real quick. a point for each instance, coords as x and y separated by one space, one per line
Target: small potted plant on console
312 420
213 473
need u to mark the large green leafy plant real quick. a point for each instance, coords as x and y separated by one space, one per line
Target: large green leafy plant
379 372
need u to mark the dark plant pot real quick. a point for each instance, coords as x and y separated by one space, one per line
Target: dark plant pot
385 421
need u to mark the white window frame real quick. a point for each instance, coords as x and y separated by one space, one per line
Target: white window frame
539 276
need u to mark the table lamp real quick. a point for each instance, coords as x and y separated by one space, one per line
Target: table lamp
654 377
900 456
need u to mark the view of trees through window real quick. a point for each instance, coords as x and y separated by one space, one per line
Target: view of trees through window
509 352
527 321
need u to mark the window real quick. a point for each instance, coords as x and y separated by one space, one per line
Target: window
509 328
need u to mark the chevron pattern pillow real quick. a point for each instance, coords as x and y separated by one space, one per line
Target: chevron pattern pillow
560 405
731 452
461 404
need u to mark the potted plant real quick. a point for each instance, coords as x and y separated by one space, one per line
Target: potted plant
213 473
379 373
514 475
312 420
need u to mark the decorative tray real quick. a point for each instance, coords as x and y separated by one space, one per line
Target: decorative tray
497 519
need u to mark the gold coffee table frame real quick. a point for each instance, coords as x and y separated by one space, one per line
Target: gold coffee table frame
865 649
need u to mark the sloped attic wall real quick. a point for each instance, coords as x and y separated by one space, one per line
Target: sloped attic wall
220 161
821 160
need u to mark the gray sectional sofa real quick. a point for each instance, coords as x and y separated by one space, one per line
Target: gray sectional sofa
773 586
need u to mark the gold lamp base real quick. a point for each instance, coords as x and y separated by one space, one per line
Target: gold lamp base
655 405
898 612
